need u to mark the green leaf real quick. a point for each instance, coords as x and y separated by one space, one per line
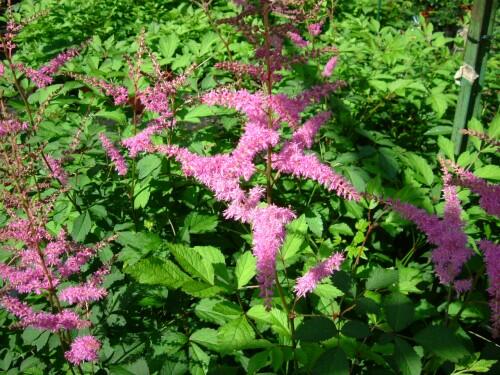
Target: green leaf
142 193
257 362
206 337
168 44
199 223
447 147
494 127
200 290
81 227
245 268
200 111
398 310
154 271
408 279
192 262
407 360
381 278
295 238
315 224
149 165
491 172
215 311
443 342
356 328
332 362
198 360
327 291
236 334
420 165
341 228
316 329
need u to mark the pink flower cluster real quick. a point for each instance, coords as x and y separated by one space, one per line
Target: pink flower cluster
310 280
83 349
447 234
43 77
223 173
56 170
12 127
42 267
114 155
492 260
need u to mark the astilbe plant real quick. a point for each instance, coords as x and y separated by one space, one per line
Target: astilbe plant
41 266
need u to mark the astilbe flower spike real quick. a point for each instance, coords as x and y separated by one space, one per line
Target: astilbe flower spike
489 193
307 283
114 155
56 170
330 66
492 260
83 349
447 234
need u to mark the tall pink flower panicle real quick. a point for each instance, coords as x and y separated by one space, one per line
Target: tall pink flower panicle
297 39
83 349
118 93
292 159
86 292
12 127
268 228
489 193
447 234
492 259
43 76
114 155
307 283
64 320
56 170
141 142
330 66
315 28
239 68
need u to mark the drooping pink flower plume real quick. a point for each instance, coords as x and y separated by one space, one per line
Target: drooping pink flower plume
447 234
118 93
141 142
492 260
88 291
315 28
297 39
114 155
292 159
489 193
462 285
83 349
268 228
307 283
12 127
56 170
43 76
330 66
66 319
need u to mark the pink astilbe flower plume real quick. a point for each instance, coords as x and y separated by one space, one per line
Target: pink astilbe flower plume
330 66
12 127
307 283
292 159
492 260
268 228
489 193
447 234
83 349
56 170
43 76
315 28
114 155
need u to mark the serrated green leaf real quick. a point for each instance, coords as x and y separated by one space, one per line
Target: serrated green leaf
490 172
420 165
200 290
192 262
443 342
332 362
398 310
245 268
236 334
199 223
316 329
381 278
407 360
149 165
168 44
154 271
81 227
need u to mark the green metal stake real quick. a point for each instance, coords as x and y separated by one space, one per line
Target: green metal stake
473 70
